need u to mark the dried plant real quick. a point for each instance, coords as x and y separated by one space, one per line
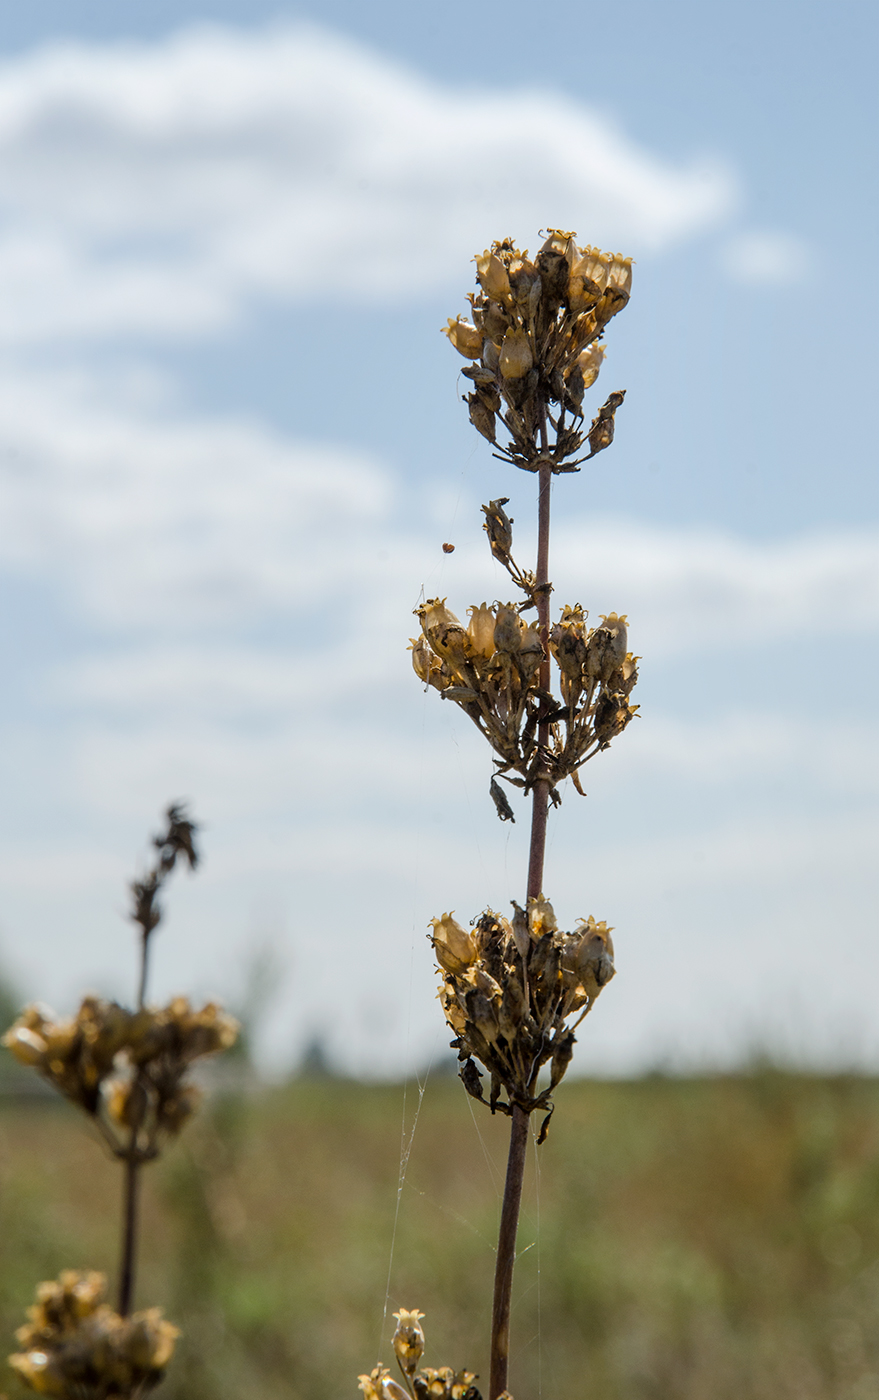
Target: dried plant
514 990
127 1070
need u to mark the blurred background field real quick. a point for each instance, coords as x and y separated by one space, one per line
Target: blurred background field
681 1238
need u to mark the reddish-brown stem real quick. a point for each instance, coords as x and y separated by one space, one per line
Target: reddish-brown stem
540 796
129 1235
506 1249
506 1254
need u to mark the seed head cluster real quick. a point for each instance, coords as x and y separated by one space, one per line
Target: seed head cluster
491 669
509 990
428 1383
126 1069
535 347
76 1347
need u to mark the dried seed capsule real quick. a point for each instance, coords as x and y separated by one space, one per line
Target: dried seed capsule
507 629
516 358
595 966
455 947
466 339
606 647
481 630
408 1341
492 276
499 528
530 652
482 417
541 917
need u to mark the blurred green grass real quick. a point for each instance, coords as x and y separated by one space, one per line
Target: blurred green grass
702 1239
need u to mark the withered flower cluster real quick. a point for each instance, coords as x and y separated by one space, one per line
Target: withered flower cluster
534 343
428 1383
491 669
509 992
126 1069
76 1347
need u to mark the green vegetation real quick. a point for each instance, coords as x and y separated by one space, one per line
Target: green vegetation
712 1239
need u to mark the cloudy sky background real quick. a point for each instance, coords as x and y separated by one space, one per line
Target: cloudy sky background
232 445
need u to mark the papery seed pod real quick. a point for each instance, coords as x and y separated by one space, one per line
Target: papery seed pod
541 917
392 1391
482 1014
558 241
422 658
619 274
531 652
443 630
512 1009
594 267
452 1009
524 284
495 321
561 1057
601 433
501 802
612 714
492 276
575 386
408 1340
499 528
554 262
583 292
624 678
466 339
471 1078
606 647
482 417
590 361
176 1109
455 947
371 1385
127 1102
567 642
26 1045
613 301
491 356
516 358
482 377
595 965
521 931
507 629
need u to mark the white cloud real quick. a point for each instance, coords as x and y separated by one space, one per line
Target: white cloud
155 187
164 520
765 256
153 517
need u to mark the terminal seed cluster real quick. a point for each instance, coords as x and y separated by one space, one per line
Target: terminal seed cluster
535 343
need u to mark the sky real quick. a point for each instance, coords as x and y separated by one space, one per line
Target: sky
232 446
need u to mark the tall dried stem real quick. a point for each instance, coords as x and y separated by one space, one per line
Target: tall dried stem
506 1250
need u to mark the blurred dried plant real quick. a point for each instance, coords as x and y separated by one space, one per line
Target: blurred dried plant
127 1070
